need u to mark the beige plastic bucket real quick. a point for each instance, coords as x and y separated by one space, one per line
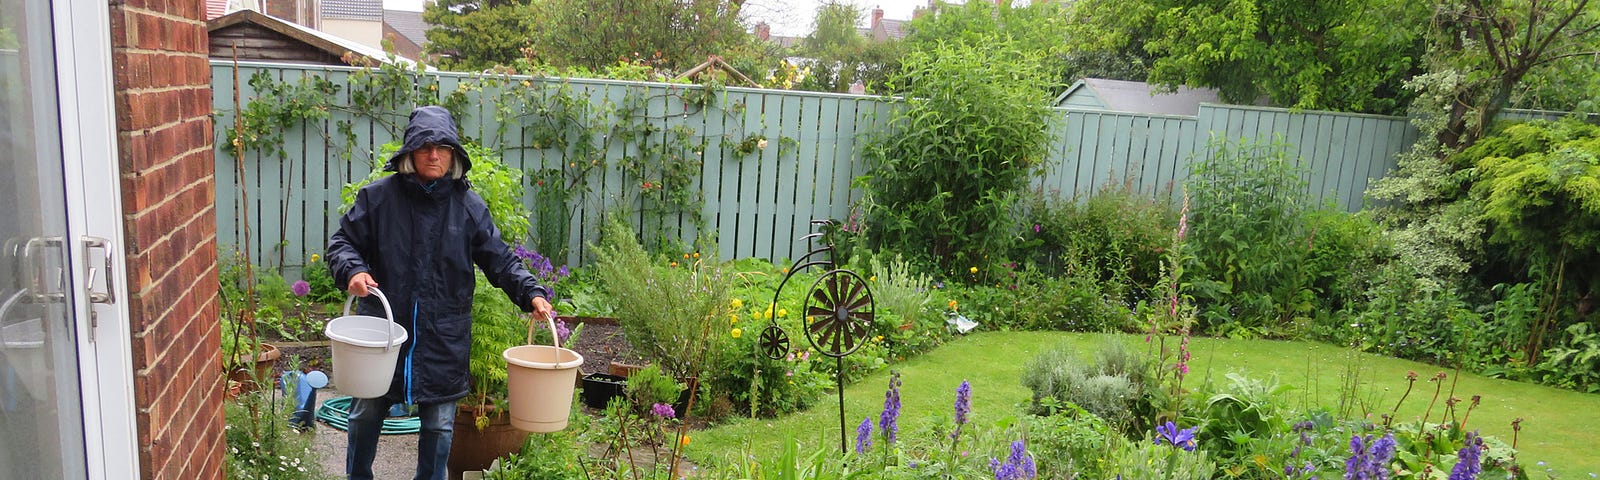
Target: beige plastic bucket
365 349
23 344
540 380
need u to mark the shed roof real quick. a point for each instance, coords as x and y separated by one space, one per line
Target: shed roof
1126 96
332 44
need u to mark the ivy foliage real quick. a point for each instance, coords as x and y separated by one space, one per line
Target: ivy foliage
946 171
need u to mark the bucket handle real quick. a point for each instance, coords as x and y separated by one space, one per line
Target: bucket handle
386 311
555 340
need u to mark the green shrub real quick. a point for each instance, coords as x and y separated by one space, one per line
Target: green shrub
1574 362
1117 234
668 311
946 171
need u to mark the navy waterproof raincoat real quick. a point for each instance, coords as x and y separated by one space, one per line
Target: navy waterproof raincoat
420 243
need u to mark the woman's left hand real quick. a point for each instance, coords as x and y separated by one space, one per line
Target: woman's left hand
542 310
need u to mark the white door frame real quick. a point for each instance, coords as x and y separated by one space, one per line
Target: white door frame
94 205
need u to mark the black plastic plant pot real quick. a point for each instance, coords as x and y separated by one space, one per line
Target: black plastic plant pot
600 388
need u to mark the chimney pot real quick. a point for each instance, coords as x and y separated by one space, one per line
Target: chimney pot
877 17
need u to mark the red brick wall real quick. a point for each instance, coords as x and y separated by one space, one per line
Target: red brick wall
163 96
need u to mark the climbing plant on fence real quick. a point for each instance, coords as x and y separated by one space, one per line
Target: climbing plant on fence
586 150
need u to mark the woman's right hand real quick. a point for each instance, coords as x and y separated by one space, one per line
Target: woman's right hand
360 282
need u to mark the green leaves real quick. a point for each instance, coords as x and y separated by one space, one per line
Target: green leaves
969 135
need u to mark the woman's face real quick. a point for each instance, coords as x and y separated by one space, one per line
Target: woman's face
432 161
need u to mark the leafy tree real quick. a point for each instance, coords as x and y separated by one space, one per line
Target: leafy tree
1038 29
947 170
1348 55
842 56
668 34
1481 52
477 34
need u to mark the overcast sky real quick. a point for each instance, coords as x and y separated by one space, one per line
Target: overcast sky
787 17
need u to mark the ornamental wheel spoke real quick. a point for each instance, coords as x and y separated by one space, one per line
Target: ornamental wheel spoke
839 313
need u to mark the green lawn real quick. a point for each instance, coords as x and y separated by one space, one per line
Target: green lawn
1559 426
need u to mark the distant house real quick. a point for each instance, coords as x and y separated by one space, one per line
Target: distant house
883 29
359 20
256 36
1139 97
406 31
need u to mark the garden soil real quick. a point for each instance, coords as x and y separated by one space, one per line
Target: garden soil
599 343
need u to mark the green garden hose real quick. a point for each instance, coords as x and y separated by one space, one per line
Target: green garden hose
336 413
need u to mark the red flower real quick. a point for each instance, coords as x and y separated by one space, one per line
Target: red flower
646 185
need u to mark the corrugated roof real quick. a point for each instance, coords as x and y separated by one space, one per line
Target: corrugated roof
409 24
1125 96
353 9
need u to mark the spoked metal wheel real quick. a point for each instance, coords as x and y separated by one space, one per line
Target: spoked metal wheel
774 342
839 313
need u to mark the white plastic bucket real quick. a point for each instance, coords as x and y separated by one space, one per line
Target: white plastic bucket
23 344
365 349
539 383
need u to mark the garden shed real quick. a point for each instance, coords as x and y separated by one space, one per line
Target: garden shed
1139 97
262 37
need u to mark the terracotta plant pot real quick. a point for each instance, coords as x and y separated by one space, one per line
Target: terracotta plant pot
474 450
246 371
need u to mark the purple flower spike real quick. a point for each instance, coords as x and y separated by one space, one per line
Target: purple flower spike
864 436
1469 459
963 402
888 421
300 288
1018 466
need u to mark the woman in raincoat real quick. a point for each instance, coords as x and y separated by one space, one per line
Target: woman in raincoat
416 235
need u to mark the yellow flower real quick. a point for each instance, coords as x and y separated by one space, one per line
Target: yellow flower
783 312
873 278
684 441
733 318
696 254
685 256
953 305
878 339
973 269
315 258
674 264
526 83
737 303
785 269
736 333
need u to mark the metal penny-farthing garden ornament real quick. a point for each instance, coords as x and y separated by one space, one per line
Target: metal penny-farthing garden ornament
838 312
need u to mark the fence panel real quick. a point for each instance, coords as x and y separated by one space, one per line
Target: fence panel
756 204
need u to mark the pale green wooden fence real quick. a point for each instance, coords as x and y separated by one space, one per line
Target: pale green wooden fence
759 205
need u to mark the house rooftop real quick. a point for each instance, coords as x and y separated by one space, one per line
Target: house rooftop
353 10
409 24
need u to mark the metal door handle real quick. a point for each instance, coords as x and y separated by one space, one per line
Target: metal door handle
110 295
37 285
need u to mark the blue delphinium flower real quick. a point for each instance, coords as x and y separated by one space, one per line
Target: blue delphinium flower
1469 459
1170 433
963 407
864 436
1018 466
1369 459
963 402
888 421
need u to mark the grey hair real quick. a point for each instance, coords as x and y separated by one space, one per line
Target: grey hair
455 172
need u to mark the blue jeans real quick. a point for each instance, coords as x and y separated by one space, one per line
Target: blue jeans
433 445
